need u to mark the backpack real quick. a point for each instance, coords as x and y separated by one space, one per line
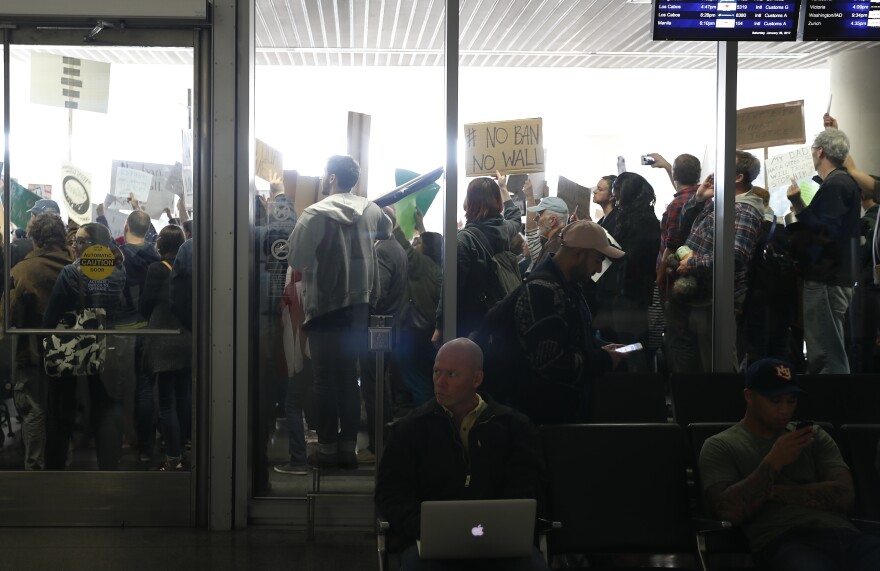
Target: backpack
505 363
777 261
503 271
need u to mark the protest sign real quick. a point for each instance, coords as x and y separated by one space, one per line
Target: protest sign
68 82
131 181
269 161
41 190
159 201
770 125
577 197
405 208
22 201
76 190
781 168
165 177
511 147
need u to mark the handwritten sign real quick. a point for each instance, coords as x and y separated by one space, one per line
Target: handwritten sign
269 161
512 147
165 177
76 192
130 181
781 168
770 125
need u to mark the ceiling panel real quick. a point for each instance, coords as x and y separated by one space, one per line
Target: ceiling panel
497 33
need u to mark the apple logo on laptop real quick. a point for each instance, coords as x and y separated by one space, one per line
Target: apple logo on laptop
477 531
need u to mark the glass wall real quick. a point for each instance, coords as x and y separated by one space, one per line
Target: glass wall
313 372
100 138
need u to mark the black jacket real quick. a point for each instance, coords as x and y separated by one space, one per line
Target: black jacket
472 265
425 461
554 325
138 258
825 240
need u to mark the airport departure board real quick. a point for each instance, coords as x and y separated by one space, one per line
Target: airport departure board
831 20
722 21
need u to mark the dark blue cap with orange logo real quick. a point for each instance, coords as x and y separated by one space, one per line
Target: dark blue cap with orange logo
773 377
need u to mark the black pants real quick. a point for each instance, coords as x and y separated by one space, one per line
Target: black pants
105 419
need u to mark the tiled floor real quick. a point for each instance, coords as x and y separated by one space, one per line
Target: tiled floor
135 549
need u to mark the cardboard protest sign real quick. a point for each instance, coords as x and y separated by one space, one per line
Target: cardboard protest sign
577 197
165 177
41 190
405 208
781 168
512 147
159 201
115 220
68 82
22 201
76 192
770 125
131 181
308 192
269 161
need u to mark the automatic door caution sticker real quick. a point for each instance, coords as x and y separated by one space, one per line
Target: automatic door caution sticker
97 262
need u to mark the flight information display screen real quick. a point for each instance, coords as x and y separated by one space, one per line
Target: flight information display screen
830 20
722 21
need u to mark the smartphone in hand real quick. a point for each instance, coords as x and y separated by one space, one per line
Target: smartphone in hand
630 348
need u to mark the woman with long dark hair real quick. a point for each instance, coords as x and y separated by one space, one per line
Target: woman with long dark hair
492 221
637 230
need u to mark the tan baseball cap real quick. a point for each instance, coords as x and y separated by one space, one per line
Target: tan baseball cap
588 235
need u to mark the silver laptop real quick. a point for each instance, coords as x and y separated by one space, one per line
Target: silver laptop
477 529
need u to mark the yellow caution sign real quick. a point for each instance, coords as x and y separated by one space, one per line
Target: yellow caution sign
97 262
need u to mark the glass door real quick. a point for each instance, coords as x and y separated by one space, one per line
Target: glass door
98 213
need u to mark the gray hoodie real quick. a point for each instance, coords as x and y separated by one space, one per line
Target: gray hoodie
332 245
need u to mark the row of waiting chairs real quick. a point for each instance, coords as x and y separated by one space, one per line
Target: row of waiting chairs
718 397
625 489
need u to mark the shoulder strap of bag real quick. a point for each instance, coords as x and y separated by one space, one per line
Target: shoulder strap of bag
481 238
771 232
167 265
79 283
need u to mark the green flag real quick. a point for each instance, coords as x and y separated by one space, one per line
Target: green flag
22 201
406 208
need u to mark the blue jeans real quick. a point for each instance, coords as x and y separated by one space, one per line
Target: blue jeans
335 340
824 313
415 356
410 561
821 550
175 408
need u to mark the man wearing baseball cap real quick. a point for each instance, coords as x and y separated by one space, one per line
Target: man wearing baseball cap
550 216
785 483
554 327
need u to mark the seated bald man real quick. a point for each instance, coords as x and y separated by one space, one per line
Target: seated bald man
460 445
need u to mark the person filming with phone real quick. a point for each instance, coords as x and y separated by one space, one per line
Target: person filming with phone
786 483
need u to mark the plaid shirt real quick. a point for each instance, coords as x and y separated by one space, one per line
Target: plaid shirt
701 240
671 234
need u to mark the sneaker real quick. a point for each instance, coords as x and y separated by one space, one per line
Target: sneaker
323 461
294 470
171 465
145 457
366 457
